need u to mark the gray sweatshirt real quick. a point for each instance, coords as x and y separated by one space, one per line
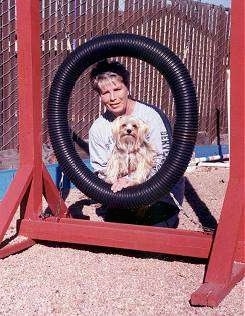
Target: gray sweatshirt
101 143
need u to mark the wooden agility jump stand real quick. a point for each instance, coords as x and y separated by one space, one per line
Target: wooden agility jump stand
32 181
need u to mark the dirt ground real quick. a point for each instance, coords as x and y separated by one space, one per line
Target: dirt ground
55 279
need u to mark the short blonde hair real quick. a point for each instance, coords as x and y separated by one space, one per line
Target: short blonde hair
108 70
105 77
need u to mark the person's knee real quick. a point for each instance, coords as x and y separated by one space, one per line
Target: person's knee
171 222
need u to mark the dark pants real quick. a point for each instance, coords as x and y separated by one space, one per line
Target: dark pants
158 214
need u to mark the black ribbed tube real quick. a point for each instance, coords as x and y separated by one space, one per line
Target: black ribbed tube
184 132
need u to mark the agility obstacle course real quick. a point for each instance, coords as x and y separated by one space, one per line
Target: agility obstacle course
225 250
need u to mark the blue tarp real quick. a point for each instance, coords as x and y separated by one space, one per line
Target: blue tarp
6 176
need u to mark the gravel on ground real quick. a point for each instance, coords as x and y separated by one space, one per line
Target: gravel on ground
63 279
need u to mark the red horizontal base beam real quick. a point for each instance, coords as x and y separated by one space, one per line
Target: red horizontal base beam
144 238
211 294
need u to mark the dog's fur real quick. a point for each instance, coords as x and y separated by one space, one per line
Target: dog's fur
132 154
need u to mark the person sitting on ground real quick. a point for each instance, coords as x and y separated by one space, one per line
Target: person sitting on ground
111 81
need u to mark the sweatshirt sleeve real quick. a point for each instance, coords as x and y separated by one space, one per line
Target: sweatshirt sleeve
159 139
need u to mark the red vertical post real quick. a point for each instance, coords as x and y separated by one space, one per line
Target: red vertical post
237 62
233 207
32 178
29 83
222 271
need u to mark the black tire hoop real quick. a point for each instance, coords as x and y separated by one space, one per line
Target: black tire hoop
184 131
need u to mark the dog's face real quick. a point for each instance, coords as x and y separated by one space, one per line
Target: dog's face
129 132
132 153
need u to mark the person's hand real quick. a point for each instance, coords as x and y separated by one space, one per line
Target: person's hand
122 183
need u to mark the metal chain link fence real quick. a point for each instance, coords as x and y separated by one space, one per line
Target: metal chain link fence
198 33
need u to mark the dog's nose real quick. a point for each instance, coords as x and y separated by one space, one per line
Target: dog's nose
129 131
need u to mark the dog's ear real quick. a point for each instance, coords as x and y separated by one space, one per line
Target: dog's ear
115 126
143 129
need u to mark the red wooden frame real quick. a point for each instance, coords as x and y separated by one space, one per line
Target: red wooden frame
32 181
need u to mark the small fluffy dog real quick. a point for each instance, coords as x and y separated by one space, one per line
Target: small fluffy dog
132 155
